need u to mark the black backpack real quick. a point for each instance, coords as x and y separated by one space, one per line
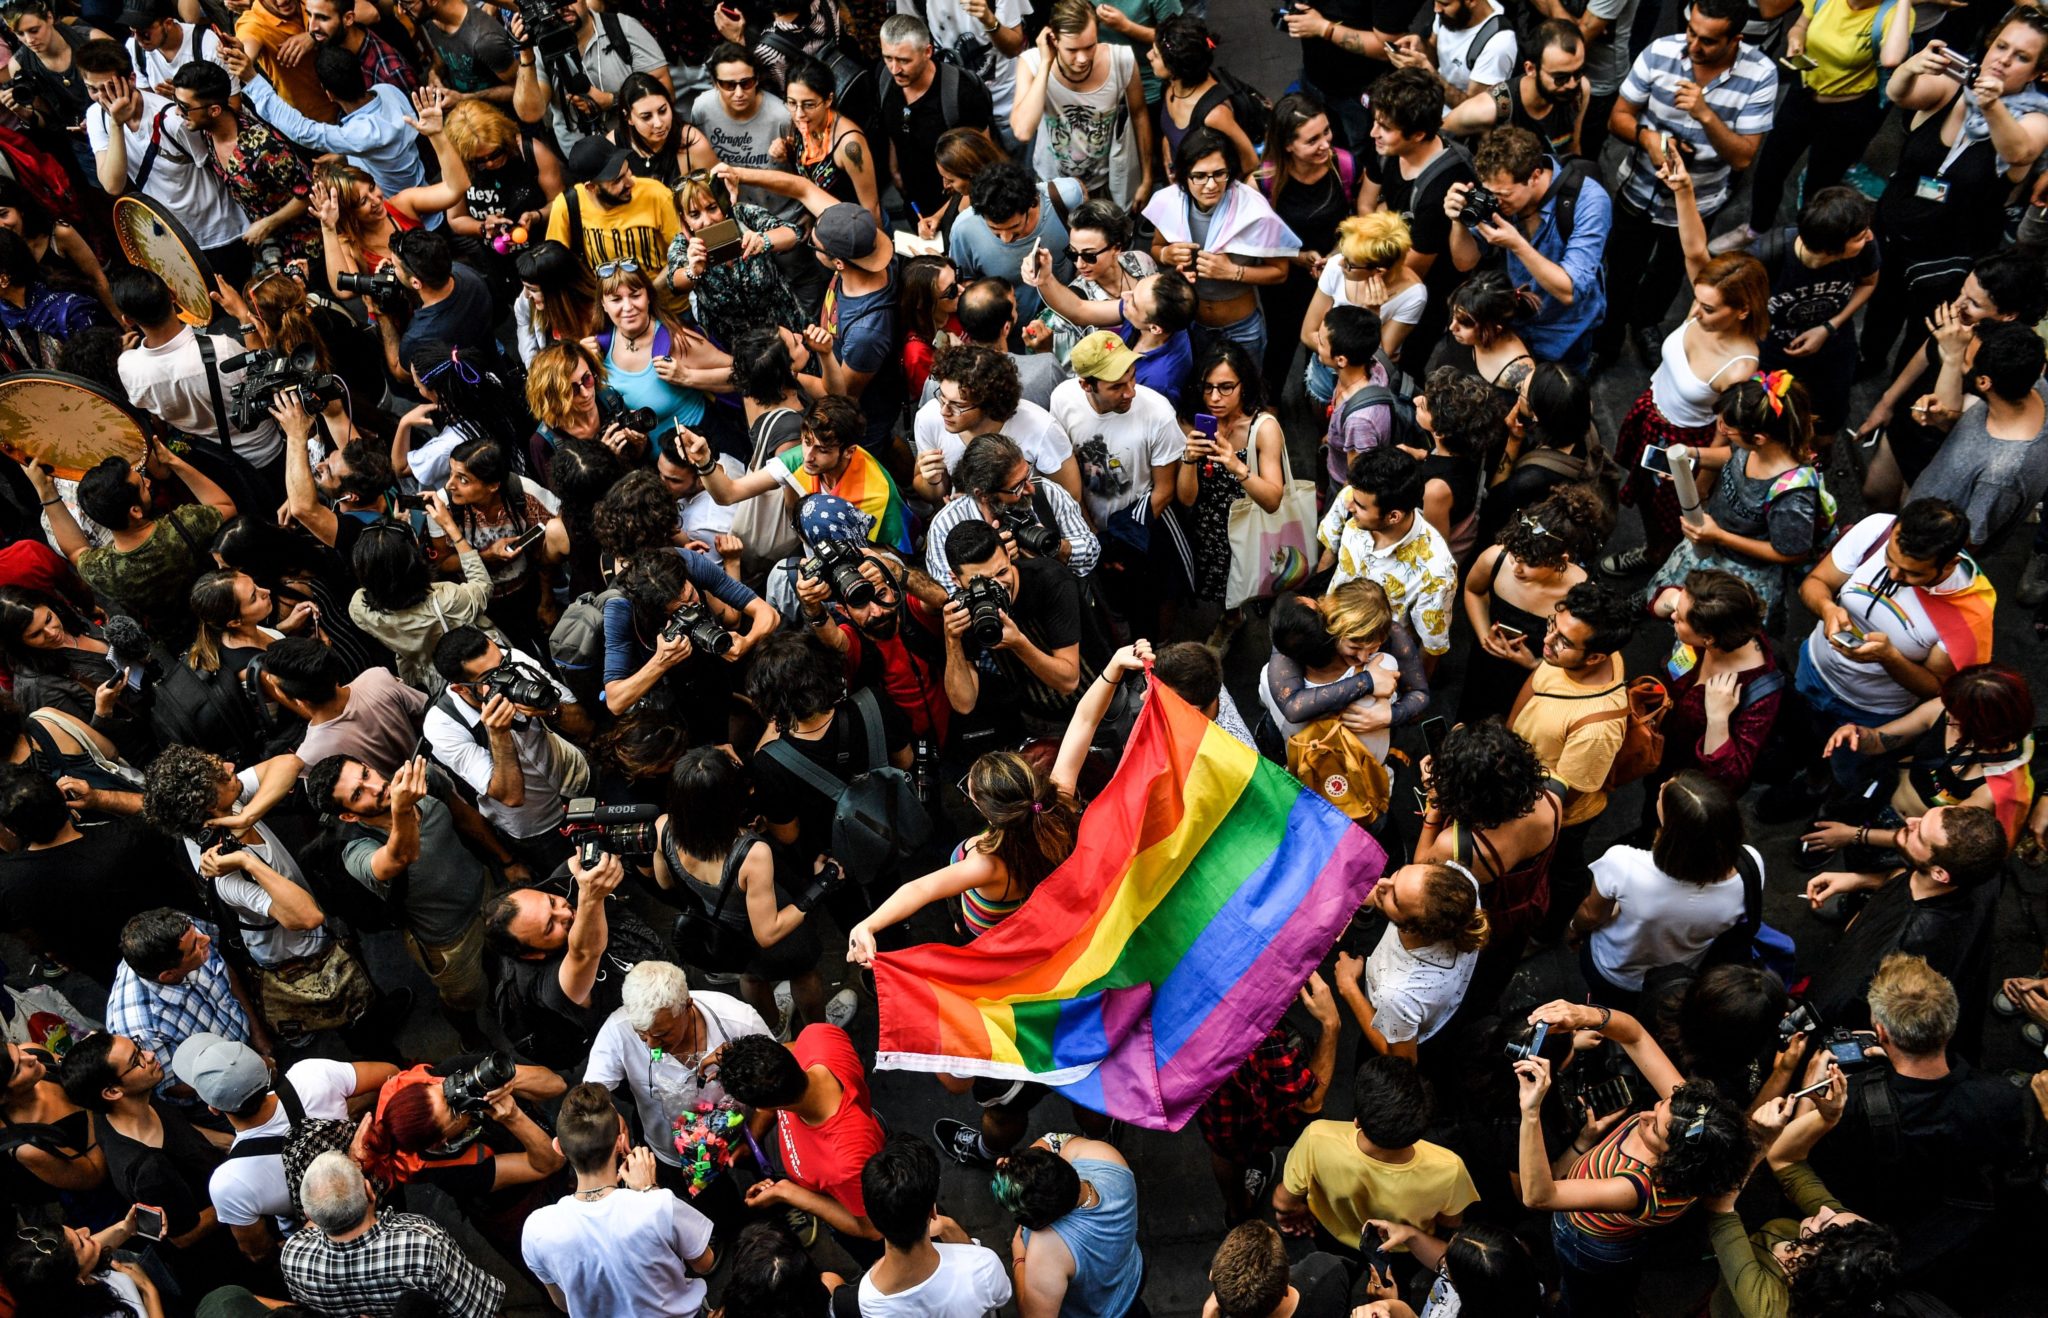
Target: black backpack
307 1138
1398 396
856 96
1254 110
877 822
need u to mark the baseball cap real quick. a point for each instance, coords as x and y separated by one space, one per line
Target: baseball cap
848 232
596 158
1102 355
141 13
225 1074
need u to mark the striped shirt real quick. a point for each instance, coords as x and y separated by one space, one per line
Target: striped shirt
1743 97
1606 1160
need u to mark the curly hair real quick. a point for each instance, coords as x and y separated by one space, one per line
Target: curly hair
1555 530
1467 415
636 513
1031 823
1450 910
1486 775
1842 1269
181 790
1707 1144
794 677
986 377
548 389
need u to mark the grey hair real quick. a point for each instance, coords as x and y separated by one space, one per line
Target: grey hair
333 1195
650 988
985 461
905 29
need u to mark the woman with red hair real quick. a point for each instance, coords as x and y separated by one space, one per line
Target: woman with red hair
1971 745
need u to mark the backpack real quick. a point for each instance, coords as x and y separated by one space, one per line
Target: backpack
306 1139
1397 395
1749 941
856 96
878 821
1597 473
577 642
1252 108
1572 181
1642 742
1332 762
1827 527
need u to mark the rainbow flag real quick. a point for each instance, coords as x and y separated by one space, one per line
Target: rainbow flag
865 484
1204 886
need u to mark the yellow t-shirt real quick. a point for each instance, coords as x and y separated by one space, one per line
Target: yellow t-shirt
640 230
1344 1187
1839 39
1579 758
298 85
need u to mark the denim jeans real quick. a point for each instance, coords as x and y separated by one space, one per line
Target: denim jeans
1250 333
1597 1275
1828 712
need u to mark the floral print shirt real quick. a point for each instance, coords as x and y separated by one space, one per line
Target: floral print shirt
1417 571
265 174
740 293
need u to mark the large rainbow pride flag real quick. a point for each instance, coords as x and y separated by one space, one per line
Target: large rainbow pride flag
1205 885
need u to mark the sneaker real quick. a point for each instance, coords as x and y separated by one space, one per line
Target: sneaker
1626 563
1258 1176
2034 581
718 978
2002 1005
800 1226
962 1143
843 1007
784 1001
1735 240
2034 1035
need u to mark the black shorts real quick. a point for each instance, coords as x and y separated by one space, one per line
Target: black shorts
1018 1096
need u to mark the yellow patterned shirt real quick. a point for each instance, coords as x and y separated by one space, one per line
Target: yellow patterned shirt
1417 571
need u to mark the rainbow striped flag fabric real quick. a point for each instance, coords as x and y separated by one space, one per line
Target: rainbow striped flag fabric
1205 885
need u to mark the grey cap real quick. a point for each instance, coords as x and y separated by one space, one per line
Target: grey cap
225 1074
848 232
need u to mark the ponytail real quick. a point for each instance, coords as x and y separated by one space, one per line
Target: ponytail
1450 909
1474 935
1031 823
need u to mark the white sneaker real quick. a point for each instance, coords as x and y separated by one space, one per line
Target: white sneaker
843 1007
784 1002
1735 240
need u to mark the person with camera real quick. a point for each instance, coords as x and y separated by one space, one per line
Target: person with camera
588 55
830 457
395 838
63 1270
1625 1174
352 1258
454 302
676 607
44 88
602 1249
1926 1136
513 522
1015 625
1523 205
975 392
731 288
493 727
995 483
263 174
889 640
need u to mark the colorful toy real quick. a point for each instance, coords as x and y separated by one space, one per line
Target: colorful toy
505 242
705 1136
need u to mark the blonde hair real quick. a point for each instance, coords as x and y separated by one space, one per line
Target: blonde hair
548 389
620 277
1358 611
1914 1003
1450 910
477 128
1378 240
344 178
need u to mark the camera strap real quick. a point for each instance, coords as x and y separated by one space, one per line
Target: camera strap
220 407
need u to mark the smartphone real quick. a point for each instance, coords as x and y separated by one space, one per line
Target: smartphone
1848 638
1657 459
1205 426
411 502
528 538
1512 633
149 1222
1670 149
132 675
1798 63
1434 730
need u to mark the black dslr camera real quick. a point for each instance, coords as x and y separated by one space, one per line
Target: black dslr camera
694 623
266 374
552 34
622 830
468 1091
522 684
1849 1049
837 562
1031 535
383 287
986 599
612 410
1481 205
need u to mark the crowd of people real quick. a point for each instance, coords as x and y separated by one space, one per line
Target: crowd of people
671 502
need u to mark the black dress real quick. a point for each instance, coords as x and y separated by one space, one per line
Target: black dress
1313 211
1491 683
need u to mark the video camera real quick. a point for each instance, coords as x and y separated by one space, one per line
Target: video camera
522 684
552 34
986 599
837 562
612 410
694 623
468 1091
1031 535
266 374
622 830
270 255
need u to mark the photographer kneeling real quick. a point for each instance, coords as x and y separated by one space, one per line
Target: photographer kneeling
490 729
1015 625
666 632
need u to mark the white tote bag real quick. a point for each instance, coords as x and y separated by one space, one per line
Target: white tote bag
1270 552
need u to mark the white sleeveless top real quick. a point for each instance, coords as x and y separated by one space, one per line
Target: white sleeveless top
1684 398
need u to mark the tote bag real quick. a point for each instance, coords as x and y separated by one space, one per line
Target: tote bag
763 523
1270 552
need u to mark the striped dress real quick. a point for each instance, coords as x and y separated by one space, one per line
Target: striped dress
1607 1159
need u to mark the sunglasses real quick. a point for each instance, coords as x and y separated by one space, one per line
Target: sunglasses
606 270
737 84
1077 254
584 384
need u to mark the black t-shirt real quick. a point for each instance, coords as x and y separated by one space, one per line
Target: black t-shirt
1324 1287
462 319
71 901
172 1178
1801 296
1339 73
913 130
1429 229
1555 128
1951 930
1048 611
841 752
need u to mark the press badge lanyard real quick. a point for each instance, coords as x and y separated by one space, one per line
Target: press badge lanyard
1934 187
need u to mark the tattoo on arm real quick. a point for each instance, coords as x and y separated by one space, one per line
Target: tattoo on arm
853 153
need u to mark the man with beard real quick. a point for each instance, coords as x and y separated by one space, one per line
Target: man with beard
891 642
341 494
913 118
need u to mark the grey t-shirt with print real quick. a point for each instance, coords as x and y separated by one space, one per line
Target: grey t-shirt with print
745 144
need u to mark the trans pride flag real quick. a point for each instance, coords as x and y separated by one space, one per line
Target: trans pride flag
1205 885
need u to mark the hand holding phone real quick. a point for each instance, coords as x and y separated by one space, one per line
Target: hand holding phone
149 1221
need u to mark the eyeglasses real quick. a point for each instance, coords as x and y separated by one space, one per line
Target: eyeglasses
1208 175
737 84
585 383
606 270
1222 387
1019 490
1076 254
39 1241
141 1057
803 107
951 408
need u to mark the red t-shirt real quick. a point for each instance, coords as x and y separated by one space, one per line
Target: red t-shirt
828 1157
919 691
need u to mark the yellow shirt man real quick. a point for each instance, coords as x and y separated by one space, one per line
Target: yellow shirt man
1344 1185
1577 748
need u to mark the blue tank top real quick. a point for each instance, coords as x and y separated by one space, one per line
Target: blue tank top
1108 1266
672 404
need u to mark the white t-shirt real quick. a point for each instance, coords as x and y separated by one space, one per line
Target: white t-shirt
701 515
1045 444
1078 129
621 1256
1130 443
1899 616
180 178
970 1281
428 462
455 745
1404 308
666 1089
1461 66
197 43
246 1190
170 381
1415 992
1661 921
276 945
954 29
